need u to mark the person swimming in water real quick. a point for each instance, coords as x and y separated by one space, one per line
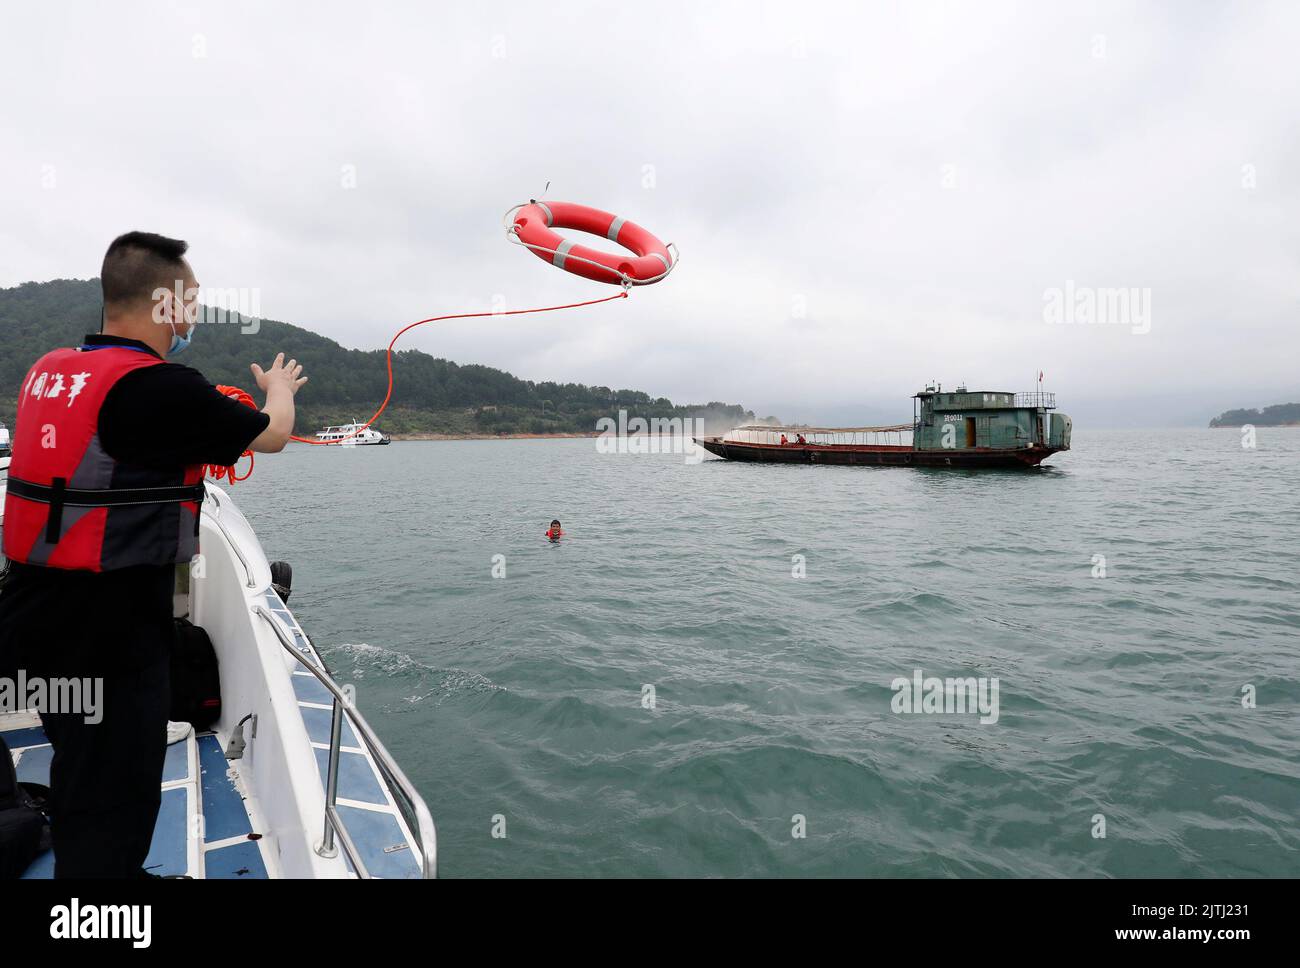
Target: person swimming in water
554 531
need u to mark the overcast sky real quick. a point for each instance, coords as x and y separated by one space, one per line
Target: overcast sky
865 197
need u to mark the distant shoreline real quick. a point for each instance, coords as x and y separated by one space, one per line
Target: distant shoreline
571 436
1229 426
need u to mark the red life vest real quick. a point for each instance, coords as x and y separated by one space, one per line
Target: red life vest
68 504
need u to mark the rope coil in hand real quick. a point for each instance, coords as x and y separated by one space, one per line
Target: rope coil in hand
228 473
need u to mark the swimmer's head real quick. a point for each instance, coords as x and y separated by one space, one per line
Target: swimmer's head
555 525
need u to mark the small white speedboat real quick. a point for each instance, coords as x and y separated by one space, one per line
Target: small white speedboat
291 781
352 435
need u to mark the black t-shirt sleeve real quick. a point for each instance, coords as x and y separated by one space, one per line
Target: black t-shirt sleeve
168 415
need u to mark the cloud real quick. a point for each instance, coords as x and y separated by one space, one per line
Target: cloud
865 198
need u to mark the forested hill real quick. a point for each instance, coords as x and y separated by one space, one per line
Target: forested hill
1278 415
430 395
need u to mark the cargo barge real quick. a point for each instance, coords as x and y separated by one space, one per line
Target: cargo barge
961 428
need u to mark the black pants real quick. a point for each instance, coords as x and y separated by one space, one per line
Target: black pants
106 776
105 779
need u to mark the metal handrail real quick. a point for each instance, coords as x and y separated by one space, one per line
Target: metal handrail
234 545
425 831
1036 398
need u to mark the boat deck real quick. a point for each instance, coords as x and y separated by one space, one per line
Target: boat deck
365 801
232 841
197 781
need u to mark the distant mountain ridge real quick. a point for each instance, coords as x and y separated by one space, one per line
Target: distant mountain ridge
1278 415
430 395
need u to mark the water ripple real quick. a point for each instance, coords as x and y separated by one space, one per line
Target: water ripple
659 693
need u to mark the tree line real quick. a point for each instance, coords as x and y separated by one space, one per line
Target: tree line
430 395
1277 415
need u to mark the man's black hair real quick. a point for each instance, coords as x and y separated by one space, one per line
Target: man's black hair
136 264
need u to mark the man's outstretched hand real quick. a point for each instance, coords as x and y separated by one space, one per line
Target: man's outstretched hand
281 374
279 383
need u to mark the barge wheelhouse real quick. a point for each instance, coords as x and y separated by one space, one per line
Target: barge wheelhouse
960 428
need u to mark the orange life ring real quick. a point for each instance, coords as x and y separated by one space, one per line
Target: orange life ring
533 224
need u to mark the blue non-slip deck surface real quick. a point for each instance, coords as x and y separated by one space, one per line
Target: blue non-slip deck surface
225 817
381 843
177 764
34 764
168 853
308 689
238 861
224 814
318 723
356 778
27 736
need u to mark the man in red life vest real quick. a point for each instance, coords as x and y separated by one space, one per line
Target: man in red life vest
554 531
102 504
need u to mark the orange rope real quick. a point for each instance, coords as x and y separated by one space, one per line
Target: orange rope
435 319
216 470
238 394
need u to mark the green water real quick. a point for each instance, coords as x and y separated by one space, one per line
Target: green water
522 697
